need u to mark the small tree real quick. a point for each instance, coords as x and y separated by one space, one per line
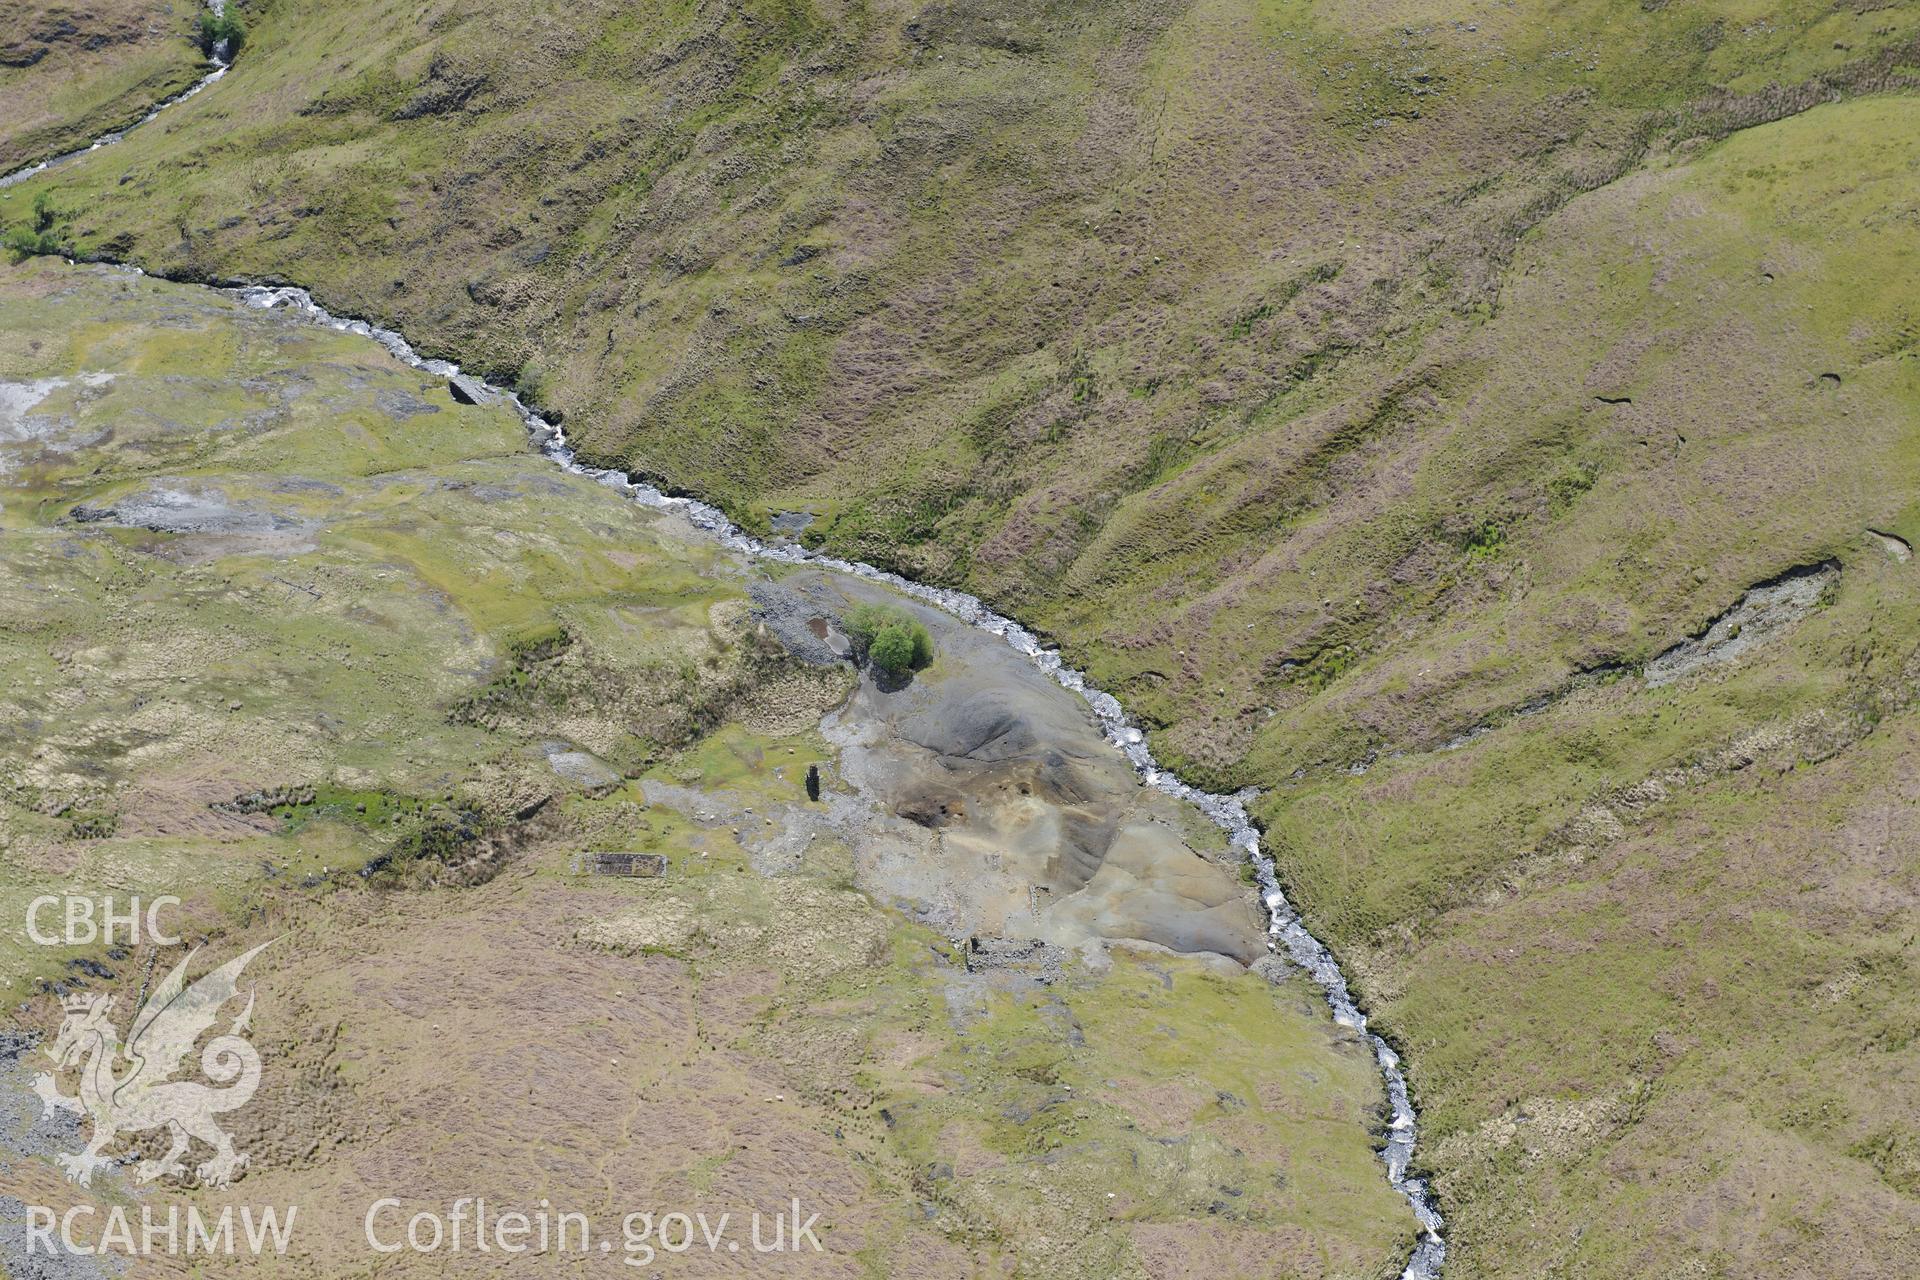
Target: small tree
40 238
892 649
863 622
866 623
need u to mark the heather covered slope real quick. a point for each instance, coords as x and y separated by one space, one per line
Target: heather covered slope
1645 930
1110 313
70 72
964 276
1365 396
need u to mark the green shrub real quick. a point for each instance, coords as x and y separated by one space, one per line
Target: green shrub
218 28
22 243
892 650
1485 541
529 382
38 239
894 640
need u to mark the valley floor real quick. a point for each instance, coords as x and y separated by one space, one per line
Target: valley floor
301 639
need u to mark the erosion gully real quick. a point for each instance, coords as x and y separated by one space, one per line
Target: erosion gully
1286 933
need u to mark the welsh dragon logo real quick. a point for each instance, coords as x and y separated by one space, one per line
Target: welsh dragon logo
130 1089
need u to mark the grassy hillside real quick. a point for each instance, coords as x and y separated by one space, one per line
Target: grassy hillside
1364 395
69 73
1645 944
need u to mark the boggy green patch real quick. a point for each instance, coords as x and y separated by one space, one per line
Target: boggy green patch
295 806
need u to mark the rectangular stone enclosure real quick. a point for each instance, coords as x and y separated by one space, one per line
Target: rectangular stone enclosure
643 866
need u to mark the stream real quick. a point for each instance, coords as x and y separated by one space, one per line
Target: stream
219 62
1286 932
